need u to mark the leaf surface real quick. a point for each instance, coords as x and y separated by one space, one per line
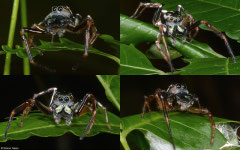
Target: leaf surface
64 44
190 131
134 62
42 125
218 66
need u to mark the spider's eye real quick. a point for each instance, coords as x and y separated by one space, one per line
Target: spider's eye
60 8
54 8
66 99
60 99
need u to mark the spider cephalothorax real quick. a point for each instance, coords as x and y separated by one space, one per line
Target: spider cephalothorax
57 22
62 105
177 98
173 23
180 95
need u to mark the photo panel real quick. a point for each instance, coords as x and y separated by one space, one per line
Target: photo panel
191 126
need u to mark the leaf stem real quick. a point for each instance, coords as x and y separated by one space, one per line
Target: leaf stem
7 65
124 142
23 5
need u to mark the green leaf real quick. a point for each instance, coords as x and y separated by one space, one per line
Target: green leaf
64 44
190 131
134 62
153 53
138 140
110 40
111 84
136 32
224 15
42 125
211 66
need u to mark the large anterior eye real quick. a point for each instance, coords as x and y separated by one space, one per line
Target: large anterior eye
54 8
60 8
60 98
66 99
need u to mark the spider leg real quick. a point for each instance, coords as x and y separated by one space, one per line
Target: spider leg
26 106
88 25
31 36
205 111
218 33
105 111
32 31
188 19
166 56
94 102
162 105
165 107
138 12
146 104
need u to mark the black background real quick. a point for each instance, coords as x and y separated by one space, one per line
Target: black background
16 89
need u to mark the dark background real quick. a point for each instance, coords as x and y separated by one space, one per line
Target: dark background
217 44
106 16
16 89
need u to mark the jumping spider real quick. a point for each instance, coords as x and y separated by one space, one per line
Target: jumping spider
175 23
61 106
177 98
59 21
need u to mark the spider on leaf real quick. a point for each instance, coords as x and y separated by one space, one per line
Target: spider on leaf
174 23
177 98
57 22
62 105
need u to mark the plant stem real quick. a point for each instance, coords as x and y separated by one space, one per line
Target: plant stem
7 65
124 142
108 90
23 5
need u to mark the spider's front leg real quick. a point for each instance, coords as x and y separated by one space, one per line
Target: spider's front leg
218 33
35 30
88 25
79 107
31 31
142 5
162 105
166 56
27 106
187 20
205 111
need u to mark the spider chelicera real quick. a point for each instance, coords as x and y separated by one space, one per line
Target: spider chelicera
59 21
177 98
61 106
173 23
